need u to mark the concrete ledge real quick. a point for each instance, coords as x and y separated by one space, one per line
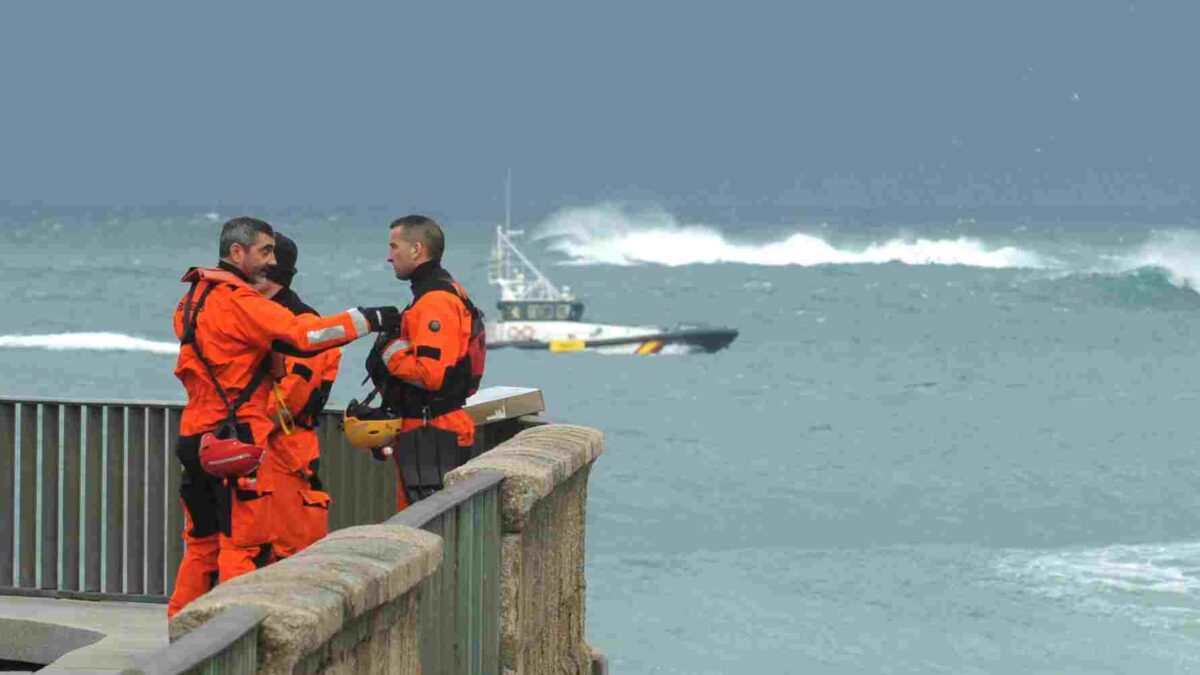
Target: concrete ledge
534 462
124 629
313 596
41 643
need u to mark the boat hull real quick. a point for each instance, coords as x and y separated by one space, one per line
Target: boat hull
561 337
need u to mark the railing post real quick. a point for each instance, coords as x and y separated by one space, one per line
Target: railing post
174 506
114 498
72 464
27 512
156 477
490 562
464 651
8 506
135 498
448 602
50 477
93 505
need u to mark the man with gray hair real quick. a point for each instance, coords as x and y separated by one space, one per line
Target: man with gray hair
227 331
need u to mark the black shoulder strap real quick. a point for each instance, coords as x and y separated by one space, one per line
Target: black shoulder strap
191 317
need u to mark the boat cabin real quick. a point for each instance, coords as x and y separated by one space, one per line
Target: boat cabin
539 310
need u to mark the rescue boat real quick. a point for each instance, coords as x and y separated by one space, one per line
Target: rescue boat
537 314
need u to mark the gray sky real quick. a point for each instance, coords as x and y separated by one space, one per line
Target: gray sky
298 104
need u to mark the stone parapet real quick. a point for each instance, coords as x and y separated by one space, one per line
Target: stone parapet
346 604
543 506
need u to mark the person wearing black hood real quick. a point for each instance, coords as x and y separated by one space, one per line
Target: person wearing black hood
300 508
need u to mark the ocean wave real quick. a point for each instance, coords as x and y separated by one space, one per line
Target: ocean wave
1174 252
1140 287
88 341
609 235
1156 584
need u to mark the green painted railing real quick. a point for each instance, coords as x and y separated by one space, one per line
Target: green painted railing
459 605
459 616
227 644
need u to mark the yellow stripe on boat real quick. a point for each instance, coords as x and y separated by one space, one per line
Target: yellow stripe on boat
650 347
567 345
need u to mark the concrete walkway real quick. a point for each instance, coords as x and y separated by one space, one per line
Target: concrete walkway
95 636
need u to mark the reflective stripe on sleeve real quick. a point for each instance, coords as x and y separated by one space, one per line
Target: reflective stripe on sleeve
317 337
361 326
393 349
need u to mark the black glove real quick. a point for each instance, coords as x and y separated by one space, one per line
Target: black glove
381 319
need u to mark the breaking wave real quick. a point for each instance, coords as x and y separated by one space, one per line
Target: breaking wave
608 235
88 341
1175 252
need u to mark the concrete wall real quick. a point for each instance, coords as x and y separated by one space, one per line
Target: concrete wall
543 504
41 643
346 604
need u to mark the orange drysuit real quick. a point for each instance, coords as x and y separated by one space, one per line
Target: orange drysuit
227 530
300 505
435 332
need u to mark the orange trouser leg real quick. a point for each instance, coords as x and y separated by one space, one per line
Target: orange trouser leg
301 513
197 570
201 497
248 536
234 561
228 528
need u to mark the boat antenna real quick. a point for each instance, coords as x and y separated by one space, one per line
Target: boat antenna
508 200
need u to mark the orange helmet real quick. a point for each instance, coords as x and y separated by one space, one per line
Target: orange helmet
225 457
369 428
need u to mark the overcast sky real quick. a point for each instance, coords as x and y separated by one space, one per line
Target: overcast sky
305 104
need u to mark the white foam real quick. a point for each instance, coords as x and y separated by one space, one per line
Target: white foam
608 235
1177 252
1164 568
88 341
1152 584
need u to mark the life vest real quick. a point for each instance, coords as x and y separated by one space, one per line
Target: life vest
222 453
461 380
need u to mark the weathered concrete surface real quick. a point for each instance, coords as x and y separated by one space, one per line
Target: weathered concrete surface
125 631
543 504
348 604
326 604
534 463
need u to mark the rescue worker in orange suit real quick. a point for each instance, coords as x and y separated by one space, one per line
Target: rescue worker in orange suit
300 508
423 371
227 332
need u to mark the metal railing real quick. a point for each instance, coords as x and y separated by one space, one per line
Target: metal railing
226 644
90 507
459 616
458 619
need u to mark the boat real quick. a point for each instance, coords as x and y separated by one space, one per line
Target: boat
534 313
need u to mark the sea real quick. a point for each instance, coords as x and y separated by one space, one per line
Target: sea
941 444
